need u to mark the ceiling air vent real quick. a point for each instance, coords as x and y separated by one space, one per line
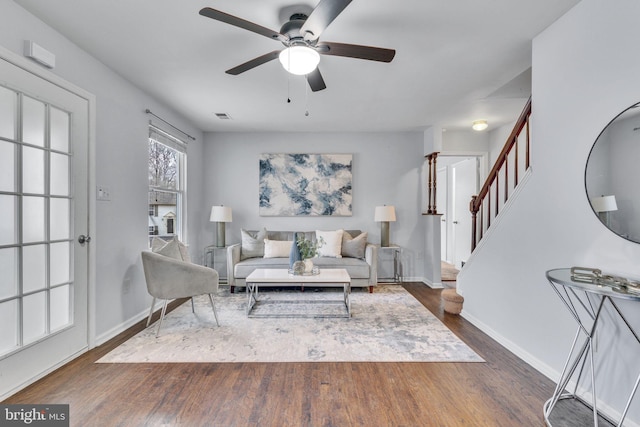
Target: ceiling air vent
223 116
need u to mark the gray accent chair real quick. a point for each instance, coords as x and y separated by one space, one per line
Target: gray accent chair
168 278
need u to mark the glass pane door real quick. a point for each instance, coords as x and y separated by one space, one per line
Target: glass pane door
36 252
44 139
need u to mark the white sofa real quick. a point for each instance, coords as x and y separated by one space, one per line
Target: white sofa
363 271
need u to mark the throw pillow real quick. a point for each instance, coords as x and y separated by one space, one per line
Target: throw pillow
277 248
157 244
332 246
252 243
172 250
354 247
184 251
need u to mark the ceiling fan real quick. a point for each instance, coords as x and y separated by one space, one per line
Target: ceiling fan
300 35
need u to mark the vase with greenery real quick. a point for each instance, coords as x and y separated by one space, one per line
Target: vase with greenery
308 249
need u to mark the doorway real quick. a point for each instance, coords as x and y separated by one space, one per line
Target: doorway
458 179
44 152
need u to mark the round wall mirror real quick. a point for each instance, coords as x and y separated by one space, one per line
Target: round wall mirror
612 175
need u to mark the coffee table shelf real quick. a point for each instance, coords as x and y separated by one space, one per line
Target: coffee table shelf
264 277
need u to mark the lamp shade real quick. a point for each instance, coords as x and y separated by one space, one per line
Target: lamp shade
385 213
604 204
299 60
220 214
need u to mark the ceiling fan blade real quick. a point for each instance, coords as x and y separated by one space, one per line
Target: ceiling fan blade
323 15
242 23
253 63
315 80
356 51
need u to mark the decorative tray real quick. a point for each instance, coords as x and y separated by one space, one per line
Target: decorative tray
313 272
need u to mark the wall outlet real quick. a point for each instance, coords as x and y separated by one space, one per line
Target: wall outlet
103 193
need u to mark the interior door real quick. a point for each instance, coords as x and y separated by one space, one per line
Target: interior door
465 183
44 135
443 208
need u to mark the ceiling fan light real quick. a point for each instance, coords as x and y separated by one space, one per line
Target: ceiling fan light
299 60
479 125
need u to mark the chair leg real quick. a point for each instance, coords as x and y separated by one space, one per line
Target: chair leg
193 308
214 309
153 303
164 309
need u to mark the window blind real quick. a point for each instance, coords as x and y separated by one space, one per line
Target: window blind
165 138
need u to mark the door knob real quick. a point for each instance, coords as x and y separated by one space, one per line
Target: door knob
455 222
82 239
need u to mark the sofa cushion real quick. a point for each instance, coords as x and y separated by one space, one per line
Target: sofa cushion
252 243
357 268
332 246
354 247
242 269
277 248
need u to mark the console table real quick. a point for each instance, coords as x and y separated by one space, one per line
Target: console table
585 299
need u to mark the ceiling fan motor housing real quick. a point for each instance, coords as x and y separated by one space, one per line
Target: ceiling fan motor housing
291 29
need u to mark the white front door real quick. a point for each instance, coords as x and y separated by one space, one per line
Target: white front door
44 140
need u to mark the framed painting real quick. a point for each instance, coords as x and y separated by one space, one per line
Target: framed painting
305 184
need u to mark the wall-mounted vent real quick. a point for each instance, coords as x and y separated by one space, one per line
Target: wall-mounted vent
223 116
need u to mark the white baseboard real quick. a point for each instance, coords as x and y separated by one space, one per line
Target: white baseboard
118 329
432 285
42 375
544 369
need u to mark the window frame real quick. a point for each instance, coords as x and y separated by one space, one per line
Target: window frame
162 137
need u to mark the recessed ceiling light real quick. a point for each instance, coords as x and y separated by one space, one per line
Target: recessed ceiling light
479 125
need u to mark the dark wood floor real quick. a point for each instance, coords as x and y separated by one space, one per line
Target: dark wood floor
504 391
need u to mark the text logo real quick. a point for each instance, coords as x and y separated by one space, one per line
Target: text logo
34 415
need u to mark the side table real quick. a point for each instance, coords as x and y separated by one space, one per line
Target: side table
216 257
585 299
390 255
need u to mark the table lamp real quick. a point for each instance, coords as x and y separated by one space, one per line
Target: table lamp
383 215
603 205
221 215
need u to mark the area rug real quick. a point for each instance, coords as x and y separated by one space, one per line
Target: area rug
389 325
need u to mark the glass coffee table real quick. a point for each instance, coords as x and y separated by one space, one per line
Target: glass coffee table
298 304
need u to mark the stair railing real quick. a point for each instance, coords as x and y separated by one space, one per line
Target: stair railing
502 179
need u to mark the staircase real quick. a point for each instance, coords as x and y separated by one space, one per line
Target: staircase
511 164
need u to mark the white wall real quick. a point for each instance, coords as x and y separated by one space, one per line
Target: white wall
465 141
497 139
584 74
386 170
121 164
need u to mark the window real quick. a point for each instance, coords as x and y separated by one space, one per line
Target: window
167 189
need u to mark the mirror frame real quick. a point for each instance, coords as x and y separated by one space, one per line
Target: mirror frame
608 203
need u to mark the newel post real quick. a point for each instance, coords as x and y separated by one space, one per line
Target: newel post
474 214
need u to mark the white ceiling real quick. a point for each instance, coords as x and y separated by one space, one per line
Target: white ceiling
456 61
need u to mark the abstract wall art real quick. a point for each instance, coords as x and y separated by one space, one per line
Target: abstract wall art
305 184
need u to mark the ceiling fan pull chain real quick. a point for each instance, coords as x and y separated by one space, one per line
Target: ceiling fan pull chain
306 96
